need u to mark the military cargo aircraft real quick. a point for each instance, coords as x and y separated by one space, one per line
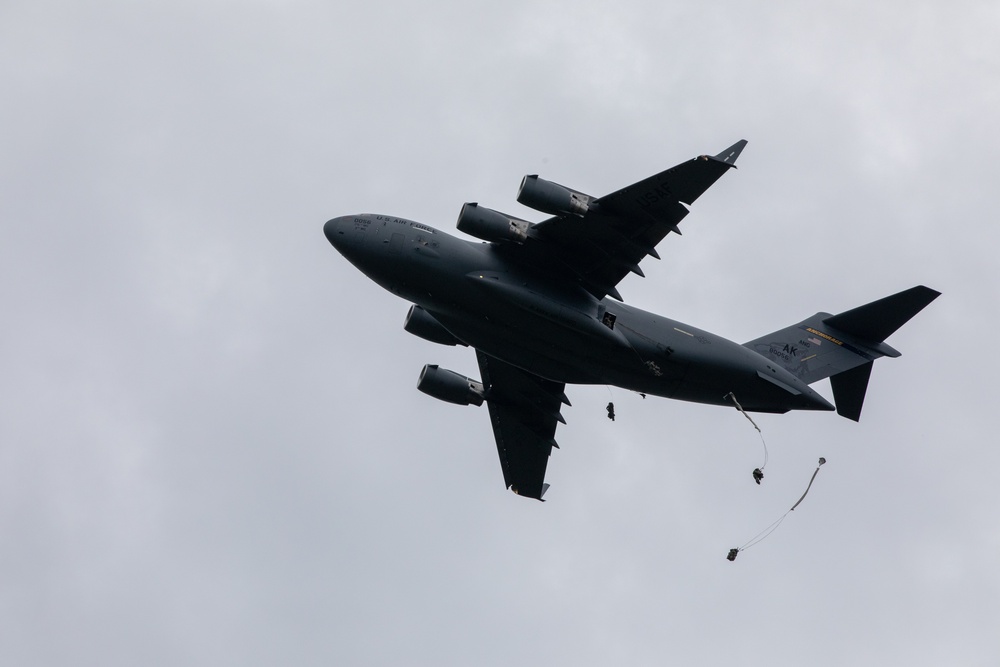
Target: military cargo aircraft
538 302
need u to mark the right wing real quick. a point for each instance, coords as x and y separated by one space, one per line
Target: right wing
524 410
620 229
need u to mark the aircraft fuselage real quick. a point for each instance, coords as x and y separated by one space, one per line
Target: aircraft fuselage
532 318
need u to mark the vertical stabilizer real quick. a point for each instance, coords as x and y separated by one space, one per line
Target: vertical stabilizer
849 389
843 347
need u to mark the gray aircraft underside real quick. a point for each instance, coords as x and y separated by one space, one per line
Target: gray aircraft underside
538 302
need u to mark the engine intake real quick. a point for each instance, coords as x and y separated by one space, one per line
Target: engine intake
550 197
489 225
450 387
421 323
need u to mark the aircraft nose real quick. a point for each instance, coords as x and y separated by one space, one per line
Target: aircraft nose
332 230
341 233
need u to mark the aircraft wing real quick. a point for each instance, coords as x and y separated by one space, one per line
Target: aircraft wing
620 229
524 409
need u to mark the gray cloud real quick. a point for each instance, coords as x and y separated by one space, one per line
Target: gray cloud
211 450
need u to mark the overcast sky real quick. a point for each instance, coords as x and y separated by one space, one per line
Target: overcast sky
212 451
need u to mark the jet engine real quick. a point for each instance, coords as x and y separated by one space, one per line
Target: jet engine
450 387
421 323
489 225
549 197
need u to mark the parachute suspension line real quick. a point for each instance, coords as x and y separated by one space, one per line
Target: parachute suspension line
815 472
758 473
759 537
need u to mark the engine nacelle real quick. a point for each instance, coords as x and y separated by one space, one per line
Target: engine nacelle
421 323
450 387
489 225
550 197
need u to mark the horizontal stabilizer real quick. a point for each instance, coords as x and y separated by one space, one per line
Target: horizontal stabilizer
843 347
877 320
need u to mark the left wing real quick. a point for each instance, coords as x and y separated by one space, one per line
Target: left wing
524 410
618 230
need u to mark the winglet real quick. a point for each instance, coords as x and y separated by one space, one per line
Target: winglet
729 155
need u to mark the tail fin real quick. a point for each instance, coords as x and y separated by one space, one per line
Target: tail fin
843 347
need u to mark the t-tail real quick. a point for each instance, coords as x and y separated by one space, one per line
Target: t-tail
843 347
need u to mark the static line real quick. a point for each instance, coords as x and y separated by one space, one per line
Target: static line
758 473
